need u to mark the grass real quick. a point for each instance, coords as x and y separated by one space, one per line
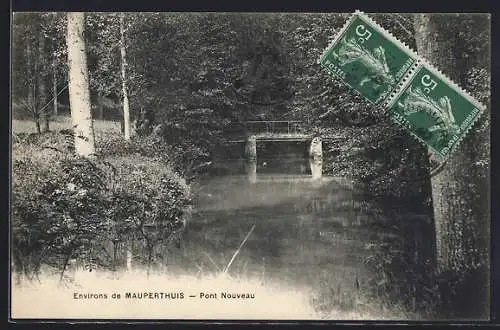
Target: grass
64 122
331 294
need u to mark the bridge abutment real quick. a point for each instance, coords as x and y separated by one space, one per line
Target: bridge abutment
316 158
251 158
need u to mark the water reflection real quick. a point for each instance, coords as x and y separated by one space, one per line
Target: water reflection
320 233
301 226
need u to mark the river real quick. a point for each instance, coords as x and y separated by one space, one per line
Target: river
324 235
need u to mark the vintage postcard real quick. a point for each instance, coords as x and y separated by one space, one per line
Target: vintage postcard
250 166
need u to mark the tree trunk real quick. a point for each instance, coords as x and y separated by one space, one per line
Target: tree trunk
150 248
115 242
54 87
129 257
126 110
79 95
122 126
36 117
32 107
460 190
100 106
42 95
65 264
32 88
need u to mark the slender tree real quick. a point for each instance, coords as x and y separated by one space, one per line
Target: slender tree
79 95
31 103
41 75
126 109
54 87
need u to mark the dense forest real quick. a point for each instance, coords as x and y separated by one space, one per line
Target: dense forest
244 69
177 82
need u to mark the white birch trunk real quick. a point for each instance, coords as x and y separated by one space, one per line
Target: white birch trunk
79 95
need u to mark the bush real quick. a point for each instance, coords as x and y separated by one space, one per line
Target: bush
184 157
62 140
147 146
154 203
66 207
56 211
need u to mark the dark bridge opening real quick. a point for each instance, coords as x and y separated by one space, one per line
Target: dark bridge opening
283 157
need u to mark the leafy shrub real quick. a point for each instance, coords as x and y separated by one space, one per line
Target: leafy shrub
62 140
184 157
155 199
66 207
147 146
55 210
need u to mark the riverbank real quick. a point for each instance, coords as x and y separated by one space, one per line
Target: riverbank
126 202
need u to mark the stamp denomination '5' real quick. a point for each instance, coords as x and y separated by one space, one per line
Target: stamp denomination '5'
434 112
368 60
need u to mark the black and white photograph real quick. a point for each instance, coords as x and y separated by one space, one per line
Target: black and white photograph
203 166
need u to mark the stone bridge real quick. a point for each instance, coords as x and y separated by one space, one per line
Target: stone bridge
251 132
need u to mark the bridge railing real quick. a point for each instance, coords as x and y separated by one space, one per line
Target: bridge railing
274 127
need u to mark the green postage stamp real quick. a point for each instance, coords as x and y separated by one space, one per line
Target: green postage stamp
389 74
